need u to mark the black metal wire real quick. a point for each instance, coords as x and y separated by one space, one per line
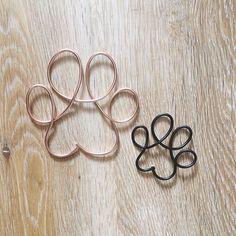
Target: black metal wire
169 147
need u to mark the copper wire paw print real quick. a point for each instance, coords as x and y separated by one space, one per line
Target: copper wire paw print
169 147
55 116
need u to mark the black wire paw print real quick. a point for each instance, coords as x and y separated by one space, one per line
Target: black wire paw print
169 147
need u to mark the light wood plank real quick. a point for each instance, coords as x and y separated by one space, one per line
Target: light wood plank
180 57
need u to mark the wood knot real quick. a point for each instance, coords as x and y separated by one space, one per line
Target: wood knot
6 152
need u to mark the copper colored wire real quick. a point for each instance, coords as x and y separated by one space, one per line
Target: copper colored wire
55 116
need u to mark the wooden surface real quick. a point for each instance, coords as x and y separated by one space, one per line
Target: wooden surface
179 56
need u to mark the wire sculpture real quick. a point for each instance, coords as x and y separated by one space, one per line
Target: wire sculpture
55 116
169 147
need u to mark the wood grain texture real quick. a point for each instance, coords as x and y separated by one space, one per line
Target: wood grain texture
179 55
